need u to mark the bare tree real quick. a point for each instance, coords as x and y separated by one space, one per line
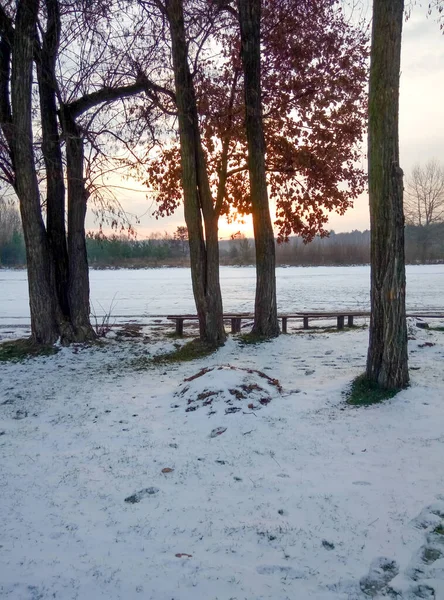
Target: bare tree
424 194
77 77
424 205
181 237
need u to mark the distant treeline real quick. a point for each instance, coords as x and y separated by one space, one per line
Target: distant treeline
12 251
423 245
12 246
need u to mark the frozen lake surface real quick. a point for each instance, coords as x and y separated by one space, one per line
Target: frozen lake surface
152 292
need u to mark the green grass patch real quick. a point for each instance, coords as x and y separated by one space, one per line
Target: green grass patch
187 352
440 529
437 328
363 392
17 350
248 339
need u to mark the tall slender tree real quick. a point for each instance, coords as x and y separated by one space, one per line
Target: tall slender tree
198 201
387 361
46 317
265 308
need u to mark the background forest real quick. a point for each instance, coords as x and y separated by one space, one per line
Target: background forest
423 246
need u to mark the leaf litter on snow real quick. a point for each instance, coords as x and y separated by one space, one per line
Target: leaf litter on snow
228 388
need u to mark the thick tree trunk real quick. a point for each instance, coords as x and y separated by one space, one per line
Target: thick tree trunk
198 204
42 299
52 154
387 354
78 287
5 105
265 315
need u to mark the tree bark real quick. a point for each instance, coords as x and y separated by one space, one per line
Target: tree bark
52 154
265 313
78 286
387 355
198 202
41 293
5 104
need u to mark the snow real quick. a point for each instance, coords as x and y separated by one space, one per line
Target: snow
302 497
168 291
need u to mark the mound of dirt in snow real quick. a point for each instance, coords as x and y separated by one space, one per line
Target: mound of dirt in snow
228 388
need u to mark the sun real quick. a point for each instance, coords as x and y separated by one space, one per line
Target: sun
242 228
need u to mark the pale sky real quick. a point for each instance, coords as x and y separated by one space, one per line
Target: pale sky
421 129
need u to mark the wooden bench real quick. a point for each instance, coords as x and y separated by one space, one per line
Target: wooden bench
236 319
307 316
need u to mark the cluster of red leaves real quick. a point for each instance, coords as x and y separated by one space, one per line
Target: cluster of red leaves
314 73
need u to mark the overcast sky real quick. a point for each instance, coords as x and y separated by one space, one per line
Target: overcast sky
421 126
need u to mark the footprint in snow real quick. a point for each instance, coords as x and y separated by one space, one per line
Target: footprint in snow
217 431
282 570
141 494
425 570
382 571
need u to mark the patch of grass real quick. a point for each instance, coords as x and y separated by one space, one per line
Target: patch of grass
251 338
189 351
440 529
363 392
321 329
172 335
437 328
247 339
17 350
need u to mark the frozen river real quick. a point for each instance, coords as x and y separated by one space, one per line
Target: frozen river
150 292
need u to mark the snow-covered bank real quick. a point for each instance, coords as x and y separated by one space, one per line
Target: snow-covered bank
294 497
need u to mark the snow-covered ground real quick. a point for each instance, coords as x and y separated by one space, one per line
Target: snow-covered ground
121 480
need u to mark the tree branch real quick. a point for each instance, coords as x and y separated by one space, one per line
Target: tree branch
106 94
109 94
6 27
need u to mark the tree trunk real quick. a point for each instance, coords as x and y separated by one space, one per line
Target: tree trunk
52 154
78 287
198 204
265 313
42 299
387 354
5 103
